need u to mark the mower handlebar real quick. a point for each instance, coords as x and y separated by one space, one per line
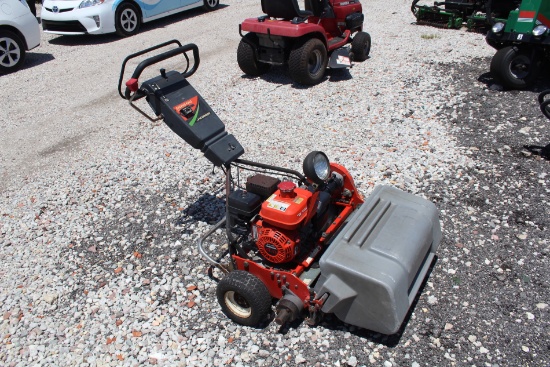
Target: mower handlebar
157 58
168 54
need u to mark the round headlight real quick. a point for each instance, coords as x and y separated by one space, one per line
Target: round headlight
498 27
539 30
317 167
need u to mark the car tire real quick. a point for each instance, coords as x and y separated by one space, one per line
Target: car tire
243 298
514 68
127 20
210 5
308 61
360 46
246 57
12 52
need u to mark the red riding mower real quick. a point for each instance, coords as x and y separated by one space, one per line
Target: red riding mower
308 243
303 39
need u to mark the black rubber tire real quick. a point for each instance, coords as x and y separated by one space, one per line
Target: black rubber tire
542 96
360 46
127 20
246 57
545 108
308 61
514 68
243 298
210 5
12 52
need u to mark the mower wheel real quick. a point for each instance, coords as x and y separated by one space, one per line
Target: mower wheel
12 51
514 68
243 298
246 57
360 46
308 61
211 4
127 20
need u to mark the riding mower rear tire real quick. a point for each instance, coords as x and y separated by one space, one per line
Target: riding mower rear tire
246 57
514 68
360 46
308 61
244 298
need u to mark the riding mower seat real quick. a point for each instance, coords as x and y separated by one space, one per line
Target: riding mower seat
284 9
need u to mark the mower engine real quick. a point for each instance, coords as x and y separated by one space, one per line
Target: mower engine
281 224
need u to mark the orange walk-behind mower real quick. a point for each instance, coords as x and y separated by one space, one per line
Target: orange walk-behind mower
308 243
307 40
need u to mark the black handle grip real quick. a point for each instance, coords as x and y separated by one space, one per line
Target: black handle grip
155 59
168 54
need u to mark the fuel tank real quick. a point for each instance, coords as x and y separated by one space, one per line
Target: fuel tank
287 207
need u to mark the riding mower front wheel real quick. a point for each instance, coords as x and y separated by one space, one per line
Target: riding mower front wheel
246 57
308 61
514 68
243 298
360 46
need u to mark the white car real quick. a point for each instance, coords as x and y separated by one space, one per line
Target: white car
106 16
19 32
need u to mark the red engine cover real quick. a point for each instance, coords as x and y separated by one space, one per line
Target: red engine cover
276 246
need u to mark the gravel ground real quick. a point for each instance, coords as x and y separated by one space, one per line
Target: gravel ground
100 210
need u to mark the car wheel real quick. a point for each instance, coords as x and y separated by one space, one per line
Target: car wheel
514 68
307 62
127 20
12 52
211 4
246 57
243 298
360 46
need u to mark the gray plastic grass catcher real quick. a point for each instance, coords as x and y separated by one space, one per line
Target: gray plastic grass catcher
375 266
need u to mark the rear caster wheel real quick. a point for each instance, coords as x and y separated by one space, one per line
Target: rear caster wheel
360 46
514 68
307 62
243 298
246 57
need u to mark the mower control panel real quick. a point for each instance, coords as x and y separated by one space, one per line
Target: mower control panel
188 115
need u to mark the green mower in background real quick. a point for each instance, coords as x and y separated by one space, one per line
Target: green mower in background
522 43
455 14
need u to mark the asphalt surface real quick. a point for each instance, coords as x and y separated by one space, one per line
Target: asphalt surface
498 286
